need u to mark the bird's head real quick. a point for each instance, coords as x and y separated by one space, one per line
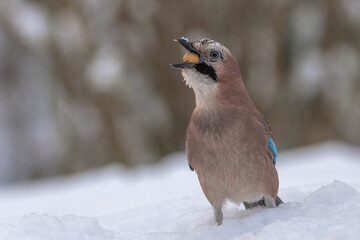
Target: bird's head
210 70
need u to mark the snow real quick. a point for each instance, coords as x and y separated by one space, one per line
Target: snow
35 226
319 185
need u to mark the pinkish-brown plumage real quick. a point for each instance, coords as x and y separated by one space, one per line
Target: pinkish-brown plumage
227 138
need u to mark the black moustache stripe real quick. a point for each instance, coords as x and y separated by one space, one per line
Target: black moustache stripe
207 70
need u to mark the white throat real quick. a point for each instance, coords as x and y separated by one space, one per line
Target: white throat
204 87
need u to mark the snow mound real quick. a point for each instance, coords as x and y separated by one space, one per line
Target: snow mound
334 194
44 227
337 217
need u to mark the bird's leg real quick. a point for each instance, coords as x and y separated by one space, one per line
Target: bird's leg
269 201
218 215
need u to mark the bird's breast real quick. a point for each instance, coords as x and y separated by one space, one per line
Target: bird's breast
214 143
228 153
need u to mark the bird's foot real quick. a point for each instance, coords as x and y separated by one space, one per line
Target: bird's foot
264 201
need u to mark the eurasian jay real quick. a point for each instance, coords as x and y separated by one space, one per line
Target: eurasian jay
229 143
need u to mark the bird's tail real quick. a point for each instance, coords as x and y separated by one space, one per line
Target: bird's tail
278 201
261 202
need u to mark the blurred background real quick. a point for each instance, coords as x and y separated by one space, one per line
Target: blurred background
86 83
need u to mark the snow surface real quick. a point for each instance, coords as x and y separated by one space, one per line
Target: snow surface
319 185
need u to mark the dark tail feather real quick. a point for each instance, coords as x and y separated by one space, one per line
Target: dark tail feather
261 202
278 201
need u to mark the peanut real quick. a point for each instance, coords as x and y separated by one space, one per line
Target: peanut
191 58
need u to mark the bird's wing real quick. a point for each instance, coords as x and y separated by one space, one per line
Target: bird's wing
268 131
273 149
264 122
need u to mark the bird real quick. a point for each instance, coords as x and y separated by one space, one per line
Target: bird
229 143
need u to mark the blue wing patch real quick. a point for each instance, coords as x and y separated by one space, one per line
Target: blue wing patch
273 150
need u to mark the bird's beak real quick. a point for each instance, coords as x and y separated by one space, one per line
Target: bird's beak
188 45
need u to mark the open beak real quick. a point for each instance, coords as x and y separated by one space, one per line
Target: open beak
189 47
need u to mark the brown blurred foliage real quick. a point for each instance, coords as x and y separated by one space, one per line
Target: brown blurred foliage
85 83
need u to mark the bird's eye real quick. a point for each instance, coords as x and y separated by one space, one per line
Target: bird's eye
214 54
